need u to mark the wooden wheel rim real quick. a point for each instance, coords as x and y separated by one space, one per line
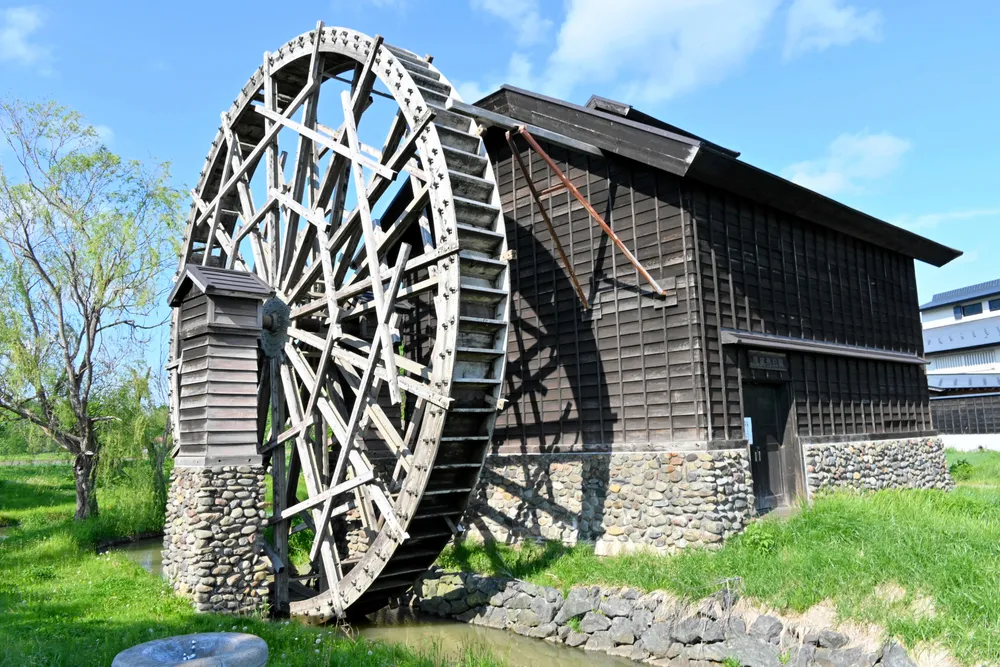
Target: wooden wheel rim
467 260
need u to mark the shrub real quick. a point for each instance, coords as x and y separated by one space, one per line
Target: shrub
758 538
961 470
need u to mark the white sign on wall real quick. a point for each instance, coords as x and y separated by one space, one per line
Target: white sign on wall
748 429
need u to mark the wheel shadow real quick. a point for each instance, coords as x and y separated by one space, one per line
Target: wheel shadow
549 466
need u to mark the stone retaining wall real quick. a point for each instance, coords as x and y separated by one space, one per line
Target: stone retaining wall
212 549
651 627
917 463
621 502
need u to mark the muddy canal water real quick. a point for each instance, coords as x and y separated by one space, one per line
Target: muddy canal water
447 638
146 553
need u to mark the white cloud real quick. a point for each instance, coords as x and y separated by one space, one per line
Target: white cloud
17 27
659 49
926 221
851 161
522 15
473 91
816 25
518 74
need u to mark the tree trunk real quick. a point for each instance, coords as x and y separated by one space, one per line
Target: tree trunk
85 474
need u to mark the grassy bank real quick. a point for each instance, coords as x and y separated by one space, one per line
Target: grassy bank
923 564
61 604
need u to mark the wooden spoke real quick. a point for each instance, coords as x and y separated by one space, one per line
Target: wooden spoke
362 397
303 157
368 233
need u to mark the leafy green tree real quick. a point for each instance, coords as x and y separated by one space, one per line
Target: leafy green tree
85 239
139 431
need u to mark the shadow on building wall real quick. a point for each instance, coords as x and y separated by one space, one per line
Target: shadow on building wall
548 472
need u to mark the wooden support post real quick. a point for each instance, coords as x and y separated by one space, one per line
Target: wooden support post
278 474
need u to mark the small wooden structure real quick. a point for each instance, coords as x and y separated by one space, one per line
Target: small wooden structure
219 327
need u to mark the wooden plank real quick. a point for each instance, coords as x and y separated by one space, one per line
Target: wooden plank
362 398
494 119
303 157
323 496
354 155
371 248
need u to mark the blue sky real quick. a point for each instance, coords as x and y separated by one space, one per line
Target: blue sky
890 107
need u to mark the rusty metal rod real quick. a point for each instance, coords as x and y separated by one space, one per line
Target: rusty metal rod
523 131
548 222
558 187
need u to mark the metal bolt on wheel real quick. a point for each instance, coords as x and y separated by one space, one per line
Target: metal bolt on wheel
340 180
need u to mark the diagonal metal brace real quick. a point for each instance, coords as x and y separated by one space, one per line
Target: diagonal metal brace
548 222
523 131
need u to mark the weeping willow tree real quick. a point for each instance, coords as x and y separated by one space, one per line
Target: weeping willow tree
137 438
86 238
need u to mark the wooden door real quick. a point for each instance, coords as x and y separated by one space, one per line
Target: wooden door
762 403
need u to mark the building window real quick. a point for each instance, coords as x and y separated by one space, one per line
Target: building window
979 360
972 309
994 304
958 312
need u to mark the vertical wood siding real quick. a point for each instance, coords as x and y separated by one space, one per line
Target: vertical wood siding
967 414
629 371
766 272
635 372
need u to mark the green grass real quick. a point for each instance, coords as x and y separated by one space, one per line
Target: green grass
985 466
42 456
61 604
945 546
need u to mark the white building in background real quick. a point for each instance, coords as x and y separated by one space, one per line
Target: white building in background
962 346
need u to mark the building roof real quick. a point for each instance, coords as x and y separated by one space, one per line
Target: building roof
618 129
213 280
963 381
961 335
978 291
631 113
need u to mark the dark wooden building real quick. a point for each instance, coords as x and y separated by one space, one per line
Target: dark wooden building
789 319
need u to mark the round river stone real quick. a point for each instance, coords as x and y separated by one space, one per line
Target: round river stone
209 649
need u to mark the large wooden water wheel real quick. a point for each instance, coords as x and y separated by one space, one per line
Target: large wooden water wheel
339 179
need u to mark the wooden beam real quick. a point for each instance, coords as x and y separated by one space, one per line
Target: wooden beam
361 393
554 168
405 293
303 158
345 232
371 247
354 155
278 475
548 223
323 496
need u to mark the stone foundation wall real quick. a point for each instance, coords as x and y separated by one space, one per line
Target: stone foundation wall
621 502
917 463
212 545
655 628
